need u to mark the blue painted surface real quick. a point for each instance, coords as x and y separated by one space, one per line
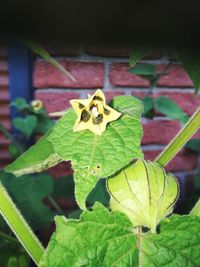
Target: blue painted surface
20 74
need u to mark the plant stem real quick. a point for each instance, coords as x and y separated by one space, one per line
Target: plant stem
7 237
19 226
180 139
55 205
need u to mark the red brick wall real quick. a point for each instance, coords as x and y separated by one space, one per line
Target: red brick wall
4 102
108 69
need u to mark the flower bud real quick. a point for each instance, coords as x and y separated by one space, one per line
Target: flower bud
144 192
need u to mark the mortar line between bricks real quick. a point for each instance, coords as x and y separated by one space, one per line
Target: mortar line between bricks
155 90
90 58
107 84
129 90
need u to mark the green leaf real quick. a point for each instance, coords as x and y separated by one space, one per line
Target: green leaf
96 156
128 105
14 150
144 69
194 144
38 49
99 238
191 64
137 54
44 124
148 103
20 103
144 192
177 244
99 193
26 125
170 109
39 157
28 193
196 210
64 187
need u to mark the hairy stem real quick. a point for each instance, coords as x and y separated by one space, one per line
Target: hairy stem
180 139
19 226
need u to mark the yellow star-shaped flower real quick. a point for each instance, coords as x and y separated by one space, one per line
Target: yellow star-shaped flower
93 113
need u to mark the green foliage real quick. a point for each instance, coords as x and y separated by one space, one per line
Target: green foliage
137 54
64 186
194 144
191 64
144 69
177 244
37 158
99 193
148 103
28 193
91 154
20 103
170 109
26 125
101 238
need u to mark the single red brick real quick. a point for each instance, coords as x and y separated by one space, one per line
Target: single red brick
183 161
159 131
4 94
87 75
54 102
4 109
5 122
4 80
175 77
120 76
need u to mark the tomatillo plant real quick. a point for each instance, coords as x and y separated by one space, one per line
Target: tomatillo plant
104 141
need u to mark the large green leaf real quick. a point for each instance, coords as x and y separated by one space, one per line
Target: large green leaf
144 192
97 156
39 157
99 239
38 49
104 239
170 109
177 244
191 64
28 193
137 54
